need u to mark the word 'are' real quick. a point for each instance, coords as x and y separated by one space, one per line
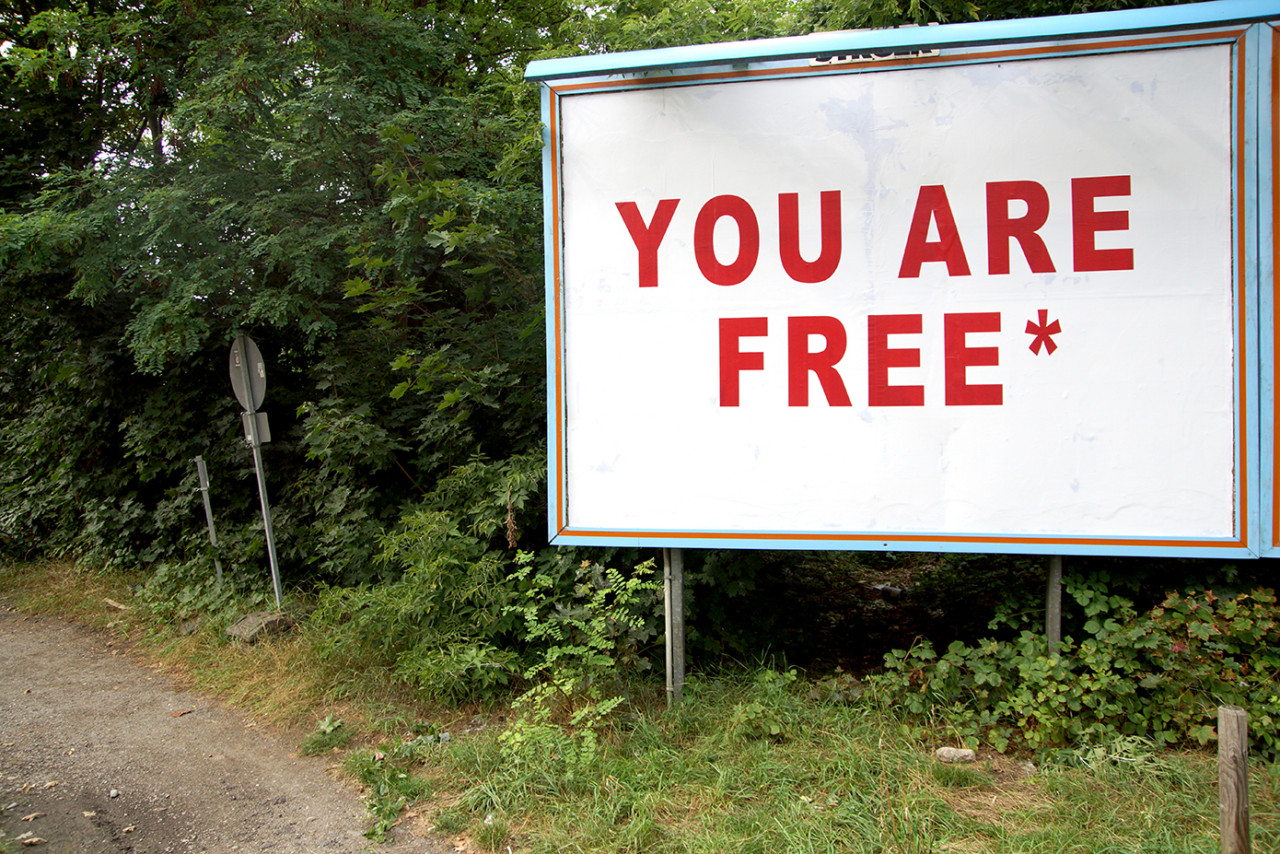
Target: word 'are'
932 214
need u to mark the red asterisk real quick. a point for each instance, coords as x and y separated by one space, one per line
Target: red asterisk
1043 332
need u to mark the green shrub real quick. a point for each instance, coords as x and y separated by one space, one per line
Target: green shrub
466 621
438 625
178 591
1159 675
588 644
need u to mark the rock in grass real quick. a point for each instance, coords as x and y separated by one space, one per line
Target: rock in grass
954 754
259 624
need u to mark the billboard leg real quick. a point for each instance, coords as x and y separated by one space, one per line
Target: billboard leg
673 590
1053 605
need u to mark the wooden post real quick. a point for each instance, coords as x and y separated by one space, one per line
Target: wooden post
1053 605
1233 780
673 589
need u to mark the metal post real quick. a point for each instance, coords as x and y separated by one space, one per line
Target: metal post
266 510
203 474
1053 605
673 589
252 421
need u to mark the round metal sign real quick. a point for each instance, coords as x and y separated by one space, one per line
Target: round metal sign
248 373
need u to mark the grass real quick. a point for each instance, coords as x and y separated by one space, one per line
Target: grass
842 778
750 762
58 588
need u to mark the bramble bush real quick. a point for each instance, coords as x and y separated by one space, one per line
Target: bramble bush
1159 674
586 646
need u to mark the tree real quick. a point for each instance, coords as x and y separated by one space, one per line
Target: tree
357 184
238 168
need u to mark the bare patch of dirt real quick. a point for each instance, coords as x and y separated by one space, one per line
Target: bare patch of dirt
99 755
1010 790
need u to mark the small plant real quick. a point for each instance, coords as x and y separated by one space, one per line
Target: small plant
593 636
839 687
765 714
390 786
461 672
1126 751
490 833
589 644
175 592
330 733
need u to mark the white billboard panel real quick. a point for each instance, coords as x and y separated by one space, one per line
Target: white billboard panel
966 298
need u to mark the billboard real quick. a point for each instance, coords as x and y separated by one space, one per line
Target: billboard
986 287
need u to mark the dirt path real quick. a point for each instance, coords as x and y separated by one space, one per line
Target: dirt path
111 758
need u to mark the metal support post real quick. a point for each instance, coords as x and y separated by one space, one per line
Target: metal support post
1053 605
266 512
673 589
203 474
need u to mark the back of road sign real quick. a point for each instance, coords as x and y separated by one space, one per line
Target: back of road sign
250 386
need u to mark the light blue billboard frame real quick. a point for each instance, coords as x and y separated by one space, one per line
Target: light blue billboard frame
969 34
1254 141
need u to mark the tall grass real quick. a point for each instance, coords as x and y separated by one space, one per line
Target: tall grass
836 778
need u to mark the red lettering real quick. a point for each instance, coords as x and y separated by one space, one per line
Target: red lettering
732 360
959 356
880 359
1087 222
789 237
800 361
932 206
704 248
647 237
1001 228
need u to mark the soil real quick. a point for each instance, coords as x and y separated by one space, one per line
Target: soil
99 754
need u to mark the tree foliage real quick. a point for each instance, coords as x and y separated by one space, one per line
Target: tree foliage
356 184
352 184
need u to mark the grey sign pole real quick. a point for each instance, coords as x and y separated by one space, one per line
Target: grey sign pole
673 590
203 474
249 381
1053 606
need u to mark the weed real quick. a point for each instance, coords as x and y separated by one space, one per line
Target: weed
764 715
588 643
491 832
330 733
390 785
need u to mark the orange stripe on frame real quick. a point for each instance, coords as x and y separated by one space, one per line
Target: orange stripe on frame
554 142
898 538
1242 357
1186 39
